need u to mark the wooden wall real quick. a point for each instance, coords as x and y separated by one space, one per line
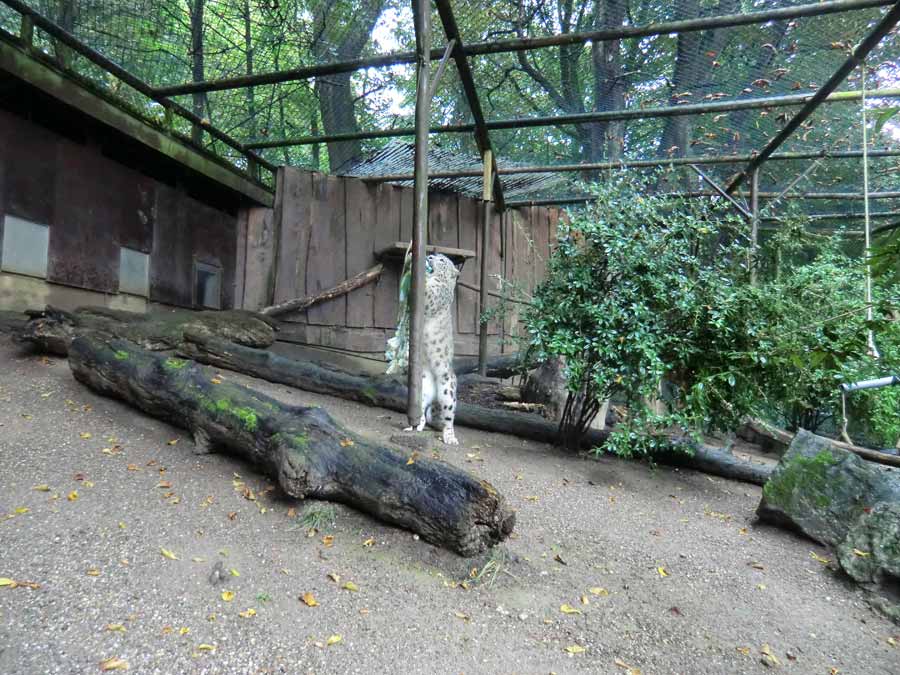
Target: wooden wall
66 178
325 229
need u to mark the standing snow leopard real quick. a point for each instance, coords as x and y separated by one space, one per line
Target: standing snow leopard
438 377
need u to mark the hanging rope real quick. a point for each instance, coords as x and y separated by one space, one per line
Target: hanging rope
870 341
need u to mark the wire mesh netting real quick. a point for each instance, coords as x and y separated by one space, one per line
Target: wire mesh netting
623 89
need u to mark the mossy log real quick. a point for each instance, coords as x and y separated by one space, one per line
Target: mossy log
52 330
303 448
391 393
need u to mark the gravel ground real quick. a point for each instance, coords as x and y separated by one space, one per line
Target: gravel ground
684 581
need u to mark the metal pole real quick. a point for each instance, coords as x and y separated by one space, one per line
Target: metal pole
422 17
882 28
759 102
526 44
719 191
754 225
487 212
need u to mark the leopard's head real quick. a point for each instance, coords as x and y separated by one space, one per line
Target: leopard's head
440 268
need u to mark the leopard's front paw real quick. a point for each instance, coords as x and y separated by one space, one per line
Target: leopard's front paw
450 437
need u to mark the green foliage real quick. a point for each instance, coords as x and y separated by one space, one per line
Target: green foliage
649 298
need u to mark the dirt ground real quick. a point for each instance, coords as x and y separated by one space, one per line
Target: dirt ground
683 579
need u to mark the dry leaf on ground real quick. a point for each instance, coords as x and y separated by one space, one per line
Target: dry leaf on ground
309 599
113 663
168 554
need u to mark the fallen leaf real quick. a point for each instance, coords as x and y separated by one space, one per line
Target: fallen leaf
168 554
233 572
766 651
133 467
369 542
164 484
756 565
43 487
93 572
743 650
22 510
743 531
346 443
568 609
113 663
675 611
328 540
116 627
206 648
232 515
350 586
7 582
227 596
532 498
247 613
576 649
184 630
336 578
122 525
166 630
172 442
558 558
72 496
861 554
333 640
815 556
628 669
662 571
585 600
597 590
760 587
464 617
198 559
892 642
309 600
216 380
412 458
85 435
292 512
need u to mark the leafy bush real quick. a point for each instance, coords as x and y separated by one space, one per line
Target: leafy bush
648 297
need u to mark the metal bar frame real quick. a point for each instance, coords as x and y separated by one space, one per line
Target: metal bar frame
882 28
527 44
755 103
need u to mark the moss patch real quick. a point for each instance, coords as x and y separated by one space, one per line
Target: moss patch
809 474
174 364
121 356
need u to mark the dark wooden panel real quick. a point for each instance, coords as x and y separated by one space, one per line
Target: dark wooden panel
260 265
5 128
495 267
171 267
327 259
407 213
444 220
83 250
541 235
471 213
361 202
553 220
138 209
387 231
214 242
32 150
240 258
294 226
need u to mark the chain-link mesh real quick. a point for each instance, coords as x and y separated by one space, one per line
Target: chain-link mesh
173 42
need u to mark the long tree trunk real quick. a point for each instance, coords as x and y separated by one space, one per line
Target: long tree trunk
608 138
341 39
249 92
198 68
304 449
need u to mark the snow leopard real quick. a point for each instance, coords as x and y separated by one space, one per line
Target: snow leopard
438 377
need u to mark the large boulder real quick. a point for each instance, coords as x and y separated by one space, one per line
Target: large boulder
834 497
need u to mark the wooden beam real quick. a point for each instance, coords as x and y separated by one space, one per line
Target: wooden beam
486 218
422 20
451 30
882 28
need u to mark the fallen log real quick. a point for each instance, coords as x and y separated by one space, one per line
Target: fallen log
304 449
52 330
782 439
351 284
502 366
391 393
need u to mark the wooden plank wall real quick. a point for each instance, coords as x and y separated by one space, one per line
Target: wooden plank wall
95 204
328 228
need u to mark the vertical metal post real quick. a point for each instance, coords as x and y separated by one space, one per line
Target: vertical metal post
487 212
422 18
26 32
754 222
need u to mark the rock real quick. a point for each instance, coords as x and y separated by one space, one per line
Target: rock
413 440
839 499
546 384
821 489
871 552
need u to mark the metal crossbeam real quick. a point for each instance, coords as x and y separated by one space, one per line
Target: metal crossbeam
526 44
882 28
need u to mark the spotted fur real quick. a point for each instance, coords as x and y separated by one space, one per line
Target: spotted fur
438 378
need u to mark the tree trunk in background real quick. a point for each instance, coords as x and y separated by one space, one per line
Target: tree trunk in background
66 17
340 38
197 64
694 56
248 51
608 138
